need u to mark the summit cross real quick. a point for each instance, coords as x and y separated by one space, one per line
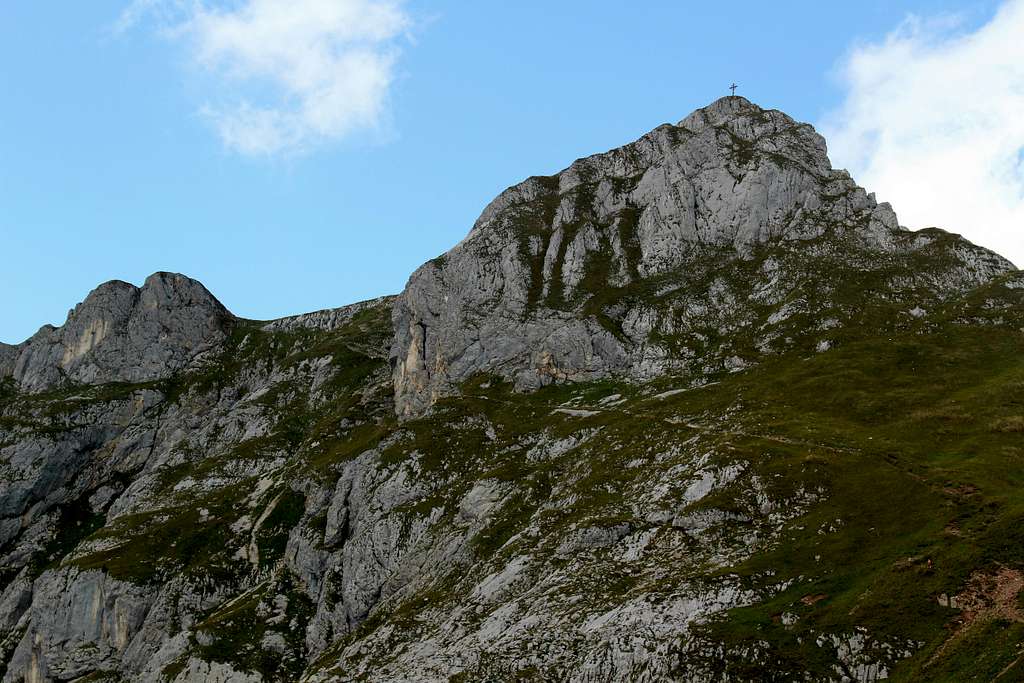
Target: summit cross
733 88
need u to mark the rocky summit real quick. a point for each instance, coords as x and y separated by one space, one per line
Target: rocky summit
694 409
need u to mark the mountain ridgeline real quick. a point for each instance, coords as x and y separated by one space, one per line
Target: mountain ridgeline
697 408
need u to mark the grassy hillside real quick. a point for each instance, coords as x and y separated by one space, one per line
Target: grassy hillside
866 505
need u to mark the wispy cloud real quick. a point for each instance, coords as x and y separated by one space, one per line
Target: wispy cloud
933 121
286 74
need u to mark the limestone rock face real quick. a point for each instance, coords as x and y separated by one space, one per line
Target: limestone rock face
122 333
549 284
87 617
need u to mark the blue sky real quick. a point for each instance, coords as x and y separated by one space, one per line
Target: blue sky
115 159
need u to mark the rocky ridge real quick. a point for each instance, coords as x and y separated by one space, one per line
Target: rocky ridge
122 333
585 274
693 409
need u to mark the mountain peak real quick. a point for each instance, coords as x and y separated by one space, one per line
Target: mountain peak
124 333
768 130
597 270
726 107
732 108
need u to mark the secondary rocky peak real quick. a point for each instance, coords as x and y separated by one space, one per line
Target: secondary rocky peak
175 291
123 333
627 262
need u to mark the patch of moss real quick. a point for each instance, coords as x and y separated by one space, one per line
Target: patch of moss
75 522
272 536
150 547
235 633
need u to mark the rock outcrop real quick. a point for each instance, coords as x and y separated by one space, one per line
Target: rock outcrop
549 284
327 319
123 333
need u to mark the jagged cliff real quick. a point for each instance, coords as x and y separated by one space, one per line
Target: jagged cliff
123 333
620 264
693 409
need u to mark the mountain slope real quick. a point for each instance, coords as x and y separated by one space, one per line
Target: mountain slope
694 409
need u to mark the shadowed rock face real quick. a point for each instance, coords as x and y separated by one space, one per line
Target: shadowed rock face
544 288
122 333
8 356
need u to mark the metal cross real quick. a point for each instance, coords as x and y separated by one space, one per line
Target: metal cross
733 88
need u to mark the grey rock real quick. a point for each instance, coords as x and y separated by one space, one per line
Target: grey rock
197 670
274 642
327 319
698 522
8 357
80 622
528 294
478 503
15 600
590 538
122 333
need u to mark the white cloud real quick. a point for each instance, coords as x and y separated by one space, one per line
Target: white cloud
933 121
286 74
